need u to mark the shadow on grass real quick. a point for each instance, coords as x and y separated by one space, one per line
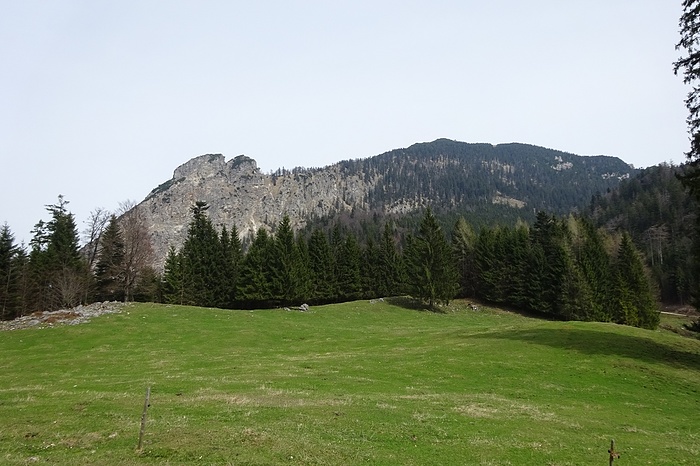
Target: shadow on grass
412 304
589 341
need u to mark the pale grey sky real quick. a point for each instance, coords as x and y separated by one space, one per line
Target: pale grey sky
100 100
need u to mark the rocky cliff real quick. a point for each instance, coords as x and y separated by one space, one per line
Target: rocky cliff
239 194
443 173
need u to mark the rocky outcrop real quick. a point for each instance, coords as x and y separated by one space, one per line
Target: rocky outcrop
239 194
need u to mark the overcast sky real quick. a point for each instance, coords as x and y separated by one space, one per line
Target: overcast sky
101 100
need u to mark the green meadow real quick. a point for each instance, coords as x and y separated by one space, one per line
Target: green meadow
346 384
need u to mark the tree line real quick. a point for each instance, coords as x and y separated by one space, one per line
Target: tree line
562 267
54 272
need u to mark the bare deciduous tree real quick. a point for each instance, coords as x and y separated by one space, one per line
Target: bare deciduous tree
95 225
138 250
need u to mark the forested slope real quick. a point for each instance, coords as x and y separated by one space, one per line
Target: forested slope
660 216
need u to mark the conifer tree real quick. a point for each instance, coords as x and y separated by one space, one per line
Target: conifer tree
348 268
232 258
303 270
517 262
286 264
552 262
256 269
391 272
595 266
9 275
370 270
109 266
430 267
201 260
463 243
173 279
59 275
321 268
635 303
336 242
487 263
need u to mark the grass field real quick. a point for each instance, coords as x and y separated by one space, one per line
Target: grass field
347 384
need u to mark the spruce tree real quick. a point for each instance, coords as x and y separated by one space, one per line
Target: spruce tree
303 270
348 269
173 279
370 270
463 243
495 267
517 265
256 270
595 265
391 272
59 274
635 298
553 264
285 264
321 268
202 261
109 267
9 275
336 242
232 257
430 269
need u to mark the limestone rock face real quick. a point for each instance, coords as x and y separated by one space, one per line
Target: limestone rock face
239 194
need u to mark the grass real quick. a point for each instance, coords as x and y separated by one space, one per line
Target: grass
354 383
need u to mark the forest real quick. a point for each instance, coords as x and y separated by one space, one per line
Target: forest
562 267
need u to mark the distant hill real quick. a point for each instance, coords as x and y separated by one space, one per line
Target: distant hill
486 183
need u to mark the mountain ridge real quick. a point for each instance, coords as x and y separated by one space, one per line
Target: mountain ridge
451 175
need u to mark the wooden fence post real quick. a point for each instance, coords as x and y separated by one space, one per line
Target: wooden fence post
146 404
613 454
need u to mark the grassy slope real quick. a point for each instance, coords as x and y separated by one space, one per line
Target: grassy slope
355 383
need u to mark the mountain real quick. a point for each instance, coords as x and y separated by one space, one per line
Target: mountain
509 181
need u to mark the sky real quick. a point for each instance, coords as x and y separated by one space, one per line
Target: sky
100 101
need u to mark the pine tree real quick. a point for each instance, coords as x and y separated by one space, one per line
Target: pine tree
430 267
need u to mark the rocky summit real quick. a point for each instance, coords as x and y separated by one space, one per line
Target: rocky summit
445 174
239 194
